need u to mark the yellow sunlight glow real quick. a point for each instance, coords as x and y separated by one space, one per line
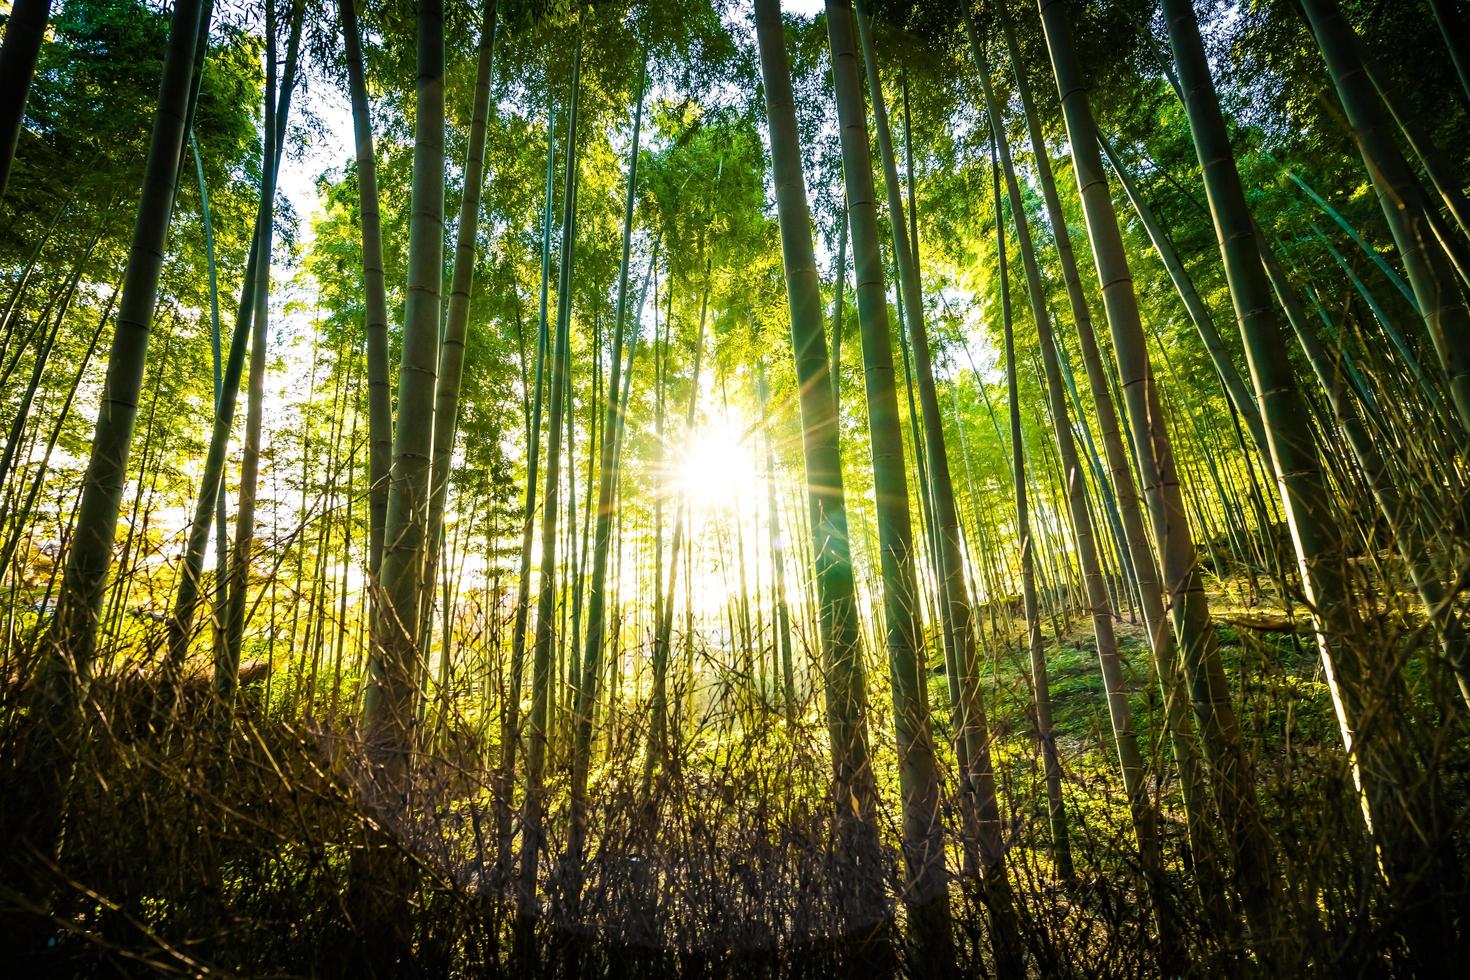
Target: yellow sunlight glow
717 467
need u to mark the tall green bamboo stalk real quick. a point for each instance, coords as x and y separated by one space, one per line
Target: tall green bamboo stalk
456 323
388 706
211 488
1219 727
1402 520
1056 810
1235 387
375 301
658 748
1141 809
1402 199
227 666
1140 556
1367 701
533 809
845 683
73 632
221 543
782 610
586 693
1452 29
24 31
510 725
54 696
919 779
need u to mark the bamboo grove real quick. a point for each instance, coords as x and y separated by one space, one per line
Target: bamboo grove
660 487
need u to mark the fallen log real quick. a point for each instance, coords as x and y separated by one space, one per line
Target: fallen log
1262 622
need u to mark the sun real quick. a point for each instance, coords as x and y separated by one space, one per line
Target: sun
717 466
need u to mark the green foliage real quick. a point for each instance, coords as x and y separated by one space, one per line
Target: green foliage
747 802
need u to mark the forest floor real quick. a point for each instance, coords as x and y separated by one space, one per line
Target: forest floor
246 854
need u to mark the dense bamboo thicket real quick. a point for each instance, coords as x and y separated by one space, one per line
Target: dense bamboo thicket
690 487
